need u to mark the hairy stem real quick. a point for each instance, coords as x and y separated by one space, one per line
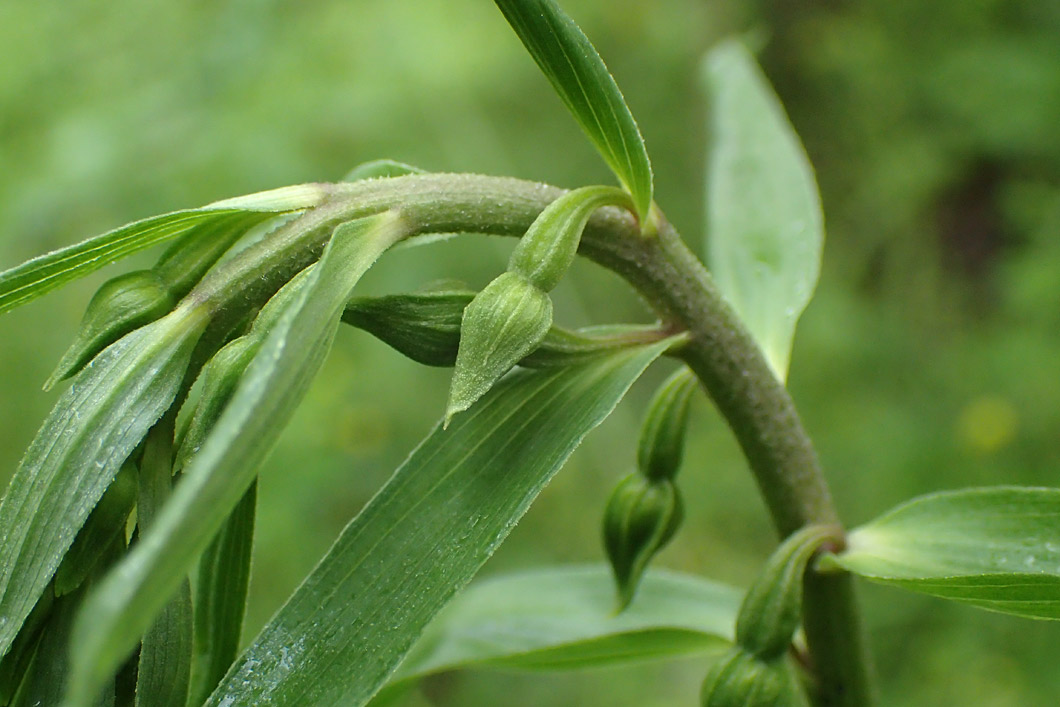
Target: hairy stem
720 351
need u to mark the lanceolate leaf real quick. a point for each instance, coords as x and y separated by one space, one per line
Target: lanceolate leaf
579 76
35 277
997 548
765 227
424 536
124 604
94 426
564 618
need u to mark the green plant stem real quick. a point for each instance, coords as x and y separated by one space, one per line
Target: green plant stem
720 351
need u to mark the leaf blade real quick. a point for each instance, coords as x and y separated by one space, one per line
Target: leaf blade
93 427
578 74
996 548
394 566
564 618
765 223
38 276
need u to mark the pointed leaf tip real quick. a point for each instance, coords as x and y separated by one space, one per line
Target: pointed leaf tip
578 74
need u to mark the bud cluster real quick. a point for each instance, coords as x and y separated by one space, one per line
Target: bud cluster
757 670
133 299
510 318
645 509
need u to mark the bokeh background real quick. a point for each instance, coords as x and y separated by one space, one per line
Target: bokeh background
928 359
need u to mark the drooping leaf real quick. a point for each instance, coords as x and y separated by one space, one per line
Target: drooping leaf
424 536
221 598
35 277
125 602
764 222
578 74
92 429
564 619
996 548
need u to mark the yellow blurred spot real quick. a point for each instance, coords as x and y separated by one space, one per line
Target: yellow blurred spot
987 424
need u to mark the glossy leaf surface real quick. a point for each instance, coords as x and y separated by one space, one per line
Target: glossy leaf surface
997 548
764 222
424 536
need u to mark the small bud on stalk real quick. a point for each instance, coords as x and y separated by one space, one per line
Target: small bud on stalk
739 679
503 323
641 517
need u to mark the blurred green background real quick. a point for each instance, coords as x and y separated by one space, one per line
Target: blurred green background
928 359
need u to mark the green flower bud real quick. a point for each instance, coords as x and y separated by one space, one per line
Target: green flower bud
221 375
104 524
547 250
640 518
376 169
137 298
423 326
739 679
121 305
662 435
503 323
770 612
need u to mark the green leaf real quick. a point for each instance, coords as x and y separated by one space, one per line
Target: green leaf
221 598
92 429
44 273
577 73
765 226
997 548
424 536
564 619
124 604
164 665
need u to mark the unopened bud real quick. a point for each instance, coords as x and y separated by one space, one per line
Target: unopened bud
222 373
121 305
662 435
423 326
640 519
772 608
548 248
504 322
137 298
739 679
